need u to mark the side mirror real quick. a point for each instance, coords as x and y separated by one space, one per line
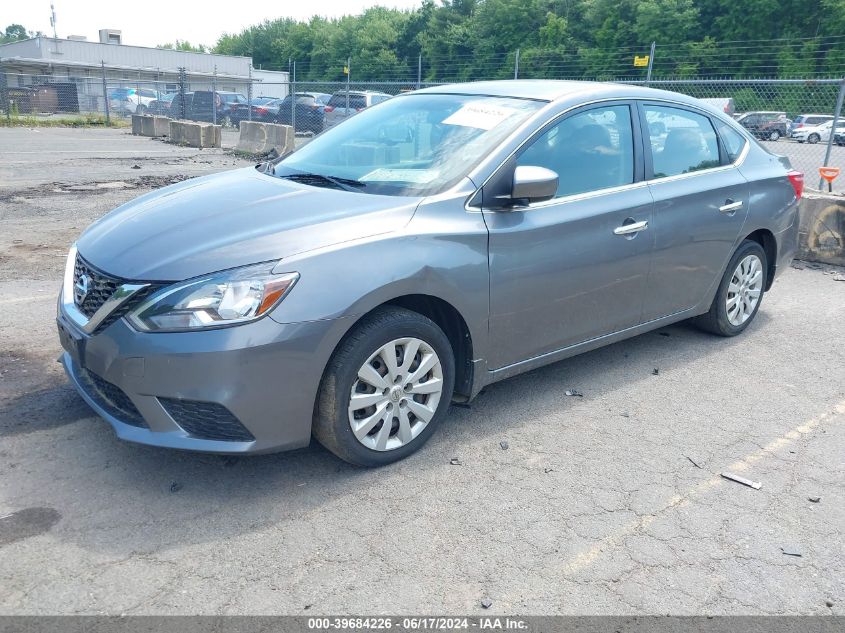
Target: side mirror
534 184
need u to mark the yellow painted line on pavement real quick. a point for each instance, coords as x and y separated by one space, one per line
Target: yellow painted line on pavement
614 540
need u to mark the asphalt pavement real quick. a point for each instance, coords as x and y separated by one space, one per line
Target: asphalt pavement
606 503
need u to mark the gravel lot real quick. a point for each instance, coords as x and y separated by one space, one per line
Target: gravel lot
610 503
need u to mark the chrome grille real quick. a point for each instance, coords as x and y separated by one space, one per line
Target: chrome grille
100 288
99 285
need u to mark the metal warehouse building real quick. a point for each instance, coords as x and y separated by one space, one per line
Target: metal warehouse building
87 70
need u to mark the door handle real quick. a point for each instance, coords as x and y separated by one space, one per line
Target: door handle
730 206
628 229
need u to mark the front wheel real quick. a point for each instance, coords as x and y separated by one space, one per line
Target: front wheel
740 292
774 135
385 389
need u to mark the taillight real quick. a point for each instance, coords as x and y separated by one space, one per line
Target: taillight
797 180
261 110
329 109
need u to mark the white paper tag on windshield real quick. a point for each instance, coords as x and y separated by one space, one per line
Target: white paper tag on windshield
417 176
480 115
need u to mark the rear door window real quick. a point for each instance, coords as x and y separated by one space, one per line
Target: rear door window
681 141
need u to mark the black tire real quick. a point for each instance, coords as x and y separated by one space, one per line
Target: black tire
716 320
774 135
814 138
331 426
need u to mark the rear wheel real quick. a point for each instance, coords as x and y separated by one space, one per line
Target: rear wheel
740 292
774 135
386 388
814 138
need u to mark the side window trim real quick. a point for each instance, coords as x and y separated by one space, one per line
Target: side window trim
723 146
724 160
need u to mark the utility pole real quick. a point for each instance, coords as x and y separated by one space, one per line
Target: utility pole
214 96
293 101
348 73
516 66
419 71
650 64
105 92
249 94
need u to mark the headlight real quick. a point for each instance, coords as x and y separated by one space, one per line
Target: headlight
212 301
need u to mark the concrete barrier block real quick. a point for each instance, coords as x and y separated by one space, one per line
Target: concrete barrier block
195 134
146 125
821 229
260 138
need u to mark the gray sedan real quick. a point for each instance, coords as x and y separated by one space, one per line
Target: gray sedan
421 250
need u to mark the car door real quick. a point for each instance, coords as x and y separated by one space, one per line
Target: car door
700 205
574 267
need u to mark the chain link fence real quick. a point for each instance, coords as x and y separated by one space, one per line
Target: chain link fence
792 117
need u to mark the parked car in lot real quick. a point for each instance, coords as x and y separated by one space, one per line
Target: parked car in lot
205 102
161 106
340 107
309 110
817 133
769 126
431 245
263 109
132 100
839 137
808 120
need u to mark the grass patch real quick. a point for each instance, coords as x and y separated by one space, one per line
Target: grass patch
81 120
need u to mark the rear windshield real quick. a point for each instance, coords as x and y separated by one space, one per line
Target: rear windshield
338 100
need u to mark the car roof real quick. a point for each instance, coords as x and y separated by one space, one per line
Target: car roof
559 90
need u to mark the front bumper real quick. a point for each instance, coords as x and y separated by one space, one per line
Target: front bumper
245 389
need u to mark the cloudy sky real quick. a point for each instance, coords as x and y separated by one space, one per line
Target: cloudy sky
160 21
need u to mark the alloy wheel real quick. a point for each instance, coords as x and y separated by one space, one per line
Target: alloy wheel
744 290
395 394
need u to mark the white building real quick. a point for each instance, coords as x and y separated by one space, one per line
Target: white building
75 61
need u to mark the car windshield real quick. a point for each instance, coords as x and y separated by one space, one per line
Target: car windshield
412 145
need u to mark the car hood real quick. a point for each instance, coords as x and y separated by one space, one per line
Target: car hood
232 219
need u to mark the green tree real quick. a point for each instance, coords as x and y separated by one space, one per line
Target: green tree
14 33
185 45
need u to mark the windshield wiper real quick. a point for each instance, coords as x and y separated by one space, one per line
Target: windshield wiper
317 180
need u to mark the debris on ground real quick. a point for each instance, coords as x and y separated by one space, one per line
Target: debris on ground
742 480
486 603
655 371
547 470
573 393
814 499
791 550
456 462
828 603
136 167
839 278
625 414
798 265
175 486
504 445
692 461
